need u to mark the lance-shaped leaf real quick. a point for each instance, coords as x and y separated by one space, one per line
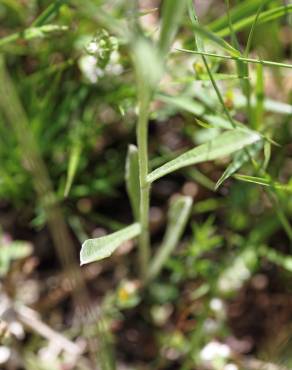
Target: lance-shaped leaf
266 16
132 179
99 248
206 34
72 167
223 145
178 215
264 182
238 11
239 159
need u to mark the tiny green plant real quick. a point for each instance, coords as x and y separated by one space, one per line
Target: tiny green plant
149 60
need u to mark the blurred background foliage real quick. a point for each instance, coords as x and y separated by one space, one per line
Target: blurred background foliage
223 300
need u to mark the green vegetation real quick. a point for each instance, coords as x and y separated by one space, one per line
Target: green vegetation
156 135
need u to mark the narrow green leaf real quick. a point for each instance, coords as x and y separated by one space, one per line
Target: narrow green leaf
72 167
242 68
132 179
239 11
239 159
172 12
178 215
206 34
264 182
223 145
264 17
49 12
99 248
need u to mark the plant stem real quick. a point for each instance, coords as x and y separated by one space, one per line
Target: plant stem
142 141
243 59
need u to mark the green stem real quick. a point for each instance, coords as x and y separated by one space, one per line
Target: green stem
142 141
243 59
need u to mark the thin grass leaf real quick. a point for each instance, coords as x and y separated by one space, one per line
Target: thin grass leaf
178 215
251 32
132 179
223 145
267 155
49 13
72 167
264 182
206 34
264 17
242 10
242 68
240 158
99 248
172 12
200 47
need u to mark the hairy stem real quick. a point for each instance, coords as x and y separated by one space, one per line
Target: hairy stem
142 141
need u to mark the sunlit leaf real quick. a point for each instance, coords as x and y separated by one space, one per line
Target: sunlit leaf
99 248
206 34
72 167
178 215
221 146
239 159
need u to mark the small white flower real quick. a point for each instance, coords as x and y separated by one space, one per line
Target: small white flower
230 367
5 354
214 350
87 65
92 47
216 304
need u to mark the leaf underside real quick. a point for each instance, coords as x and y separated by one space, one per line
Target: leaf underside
99 248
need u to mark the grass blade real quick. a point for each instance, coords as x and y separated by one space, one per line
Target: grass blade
49 13
242 10
72 167
99 248
132 179
239 160
264 17
206 34
264 182
223 145
178 216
